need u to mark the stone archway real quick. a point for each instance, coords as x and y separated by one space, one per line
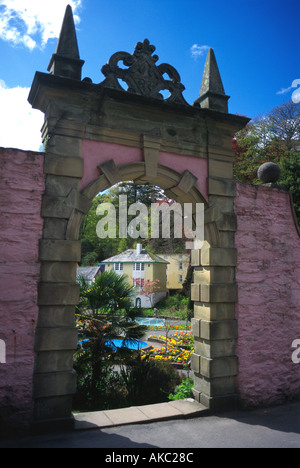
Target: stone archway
96 135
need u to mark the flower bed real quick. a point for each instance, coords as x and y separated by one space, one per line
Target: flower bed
171 327
177 350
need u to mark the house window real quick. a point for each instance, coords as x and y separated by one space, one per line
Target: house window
138 302
180 266
118 266
139 266
180 279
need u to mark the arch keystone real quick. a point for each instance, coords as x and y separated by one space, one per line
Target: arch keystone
187 182
151 146
110 171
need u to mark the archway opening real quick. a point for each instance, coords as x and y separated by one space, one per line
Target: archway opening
160 274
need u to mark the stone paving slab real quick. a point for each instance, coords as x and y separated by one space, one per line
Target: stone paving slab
139 414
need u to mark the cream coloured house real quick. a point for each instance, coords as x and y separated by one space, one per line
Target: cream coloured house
176 270
142 268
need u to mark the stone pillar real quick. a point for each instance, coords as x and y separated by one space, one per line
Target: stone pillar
56 335
214 290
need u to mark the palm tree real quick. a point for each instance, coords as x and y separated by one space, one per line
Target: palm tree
104 313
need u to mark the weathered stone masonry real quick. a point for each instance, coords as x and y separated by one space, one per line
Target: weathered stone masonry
96 135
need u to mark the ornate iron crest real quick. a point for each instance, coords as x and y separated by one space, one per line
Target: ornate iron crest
143 77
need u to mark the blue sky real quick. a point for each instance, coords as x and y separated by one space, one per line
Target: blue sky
256 44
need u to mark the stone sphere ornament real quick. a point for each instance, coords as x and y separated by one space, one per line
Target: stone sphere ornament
269 172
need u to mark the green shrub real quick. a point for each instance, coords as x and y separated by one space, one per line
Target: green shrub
109 392
183 390
150 382
139 382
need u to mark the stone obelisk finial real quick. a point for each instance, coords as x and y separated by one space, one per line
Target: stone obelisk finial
212 94
66 61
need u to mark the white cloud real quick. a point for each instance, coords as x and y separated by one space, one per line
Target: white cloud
284 90
20 124
295 94
198 50
32 23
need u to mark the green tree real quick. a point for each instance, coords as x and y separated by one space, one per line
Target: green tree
284 123
271 138
95 249
290 178
104 313
137 193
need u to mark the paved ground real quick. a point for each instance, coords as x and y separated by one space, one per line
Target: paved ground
276 427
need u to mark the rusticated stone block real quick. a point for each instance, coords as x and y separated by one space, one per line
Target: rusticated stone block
58 294
218 293
60 186
218 330
214 274
220 169
54 361
223 187
215 349
216 256
58 272
195 292
215 330
60 250
54 228
212 214
219 367
195 257
55 408
216 311
219 403
196 327
52 384
56 316
62 144
56 207
62 338
195 363
63 165
228 222
215 387
62 207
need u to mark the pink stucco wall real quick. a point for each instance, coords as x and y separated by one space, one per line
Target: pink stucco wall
268 309
95 152
21 188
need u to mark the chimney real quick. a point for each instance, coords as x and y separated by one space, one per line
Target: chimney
138 249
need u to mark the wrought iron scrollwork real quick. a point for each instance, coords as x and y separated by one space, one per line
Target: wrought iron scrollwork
143 77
